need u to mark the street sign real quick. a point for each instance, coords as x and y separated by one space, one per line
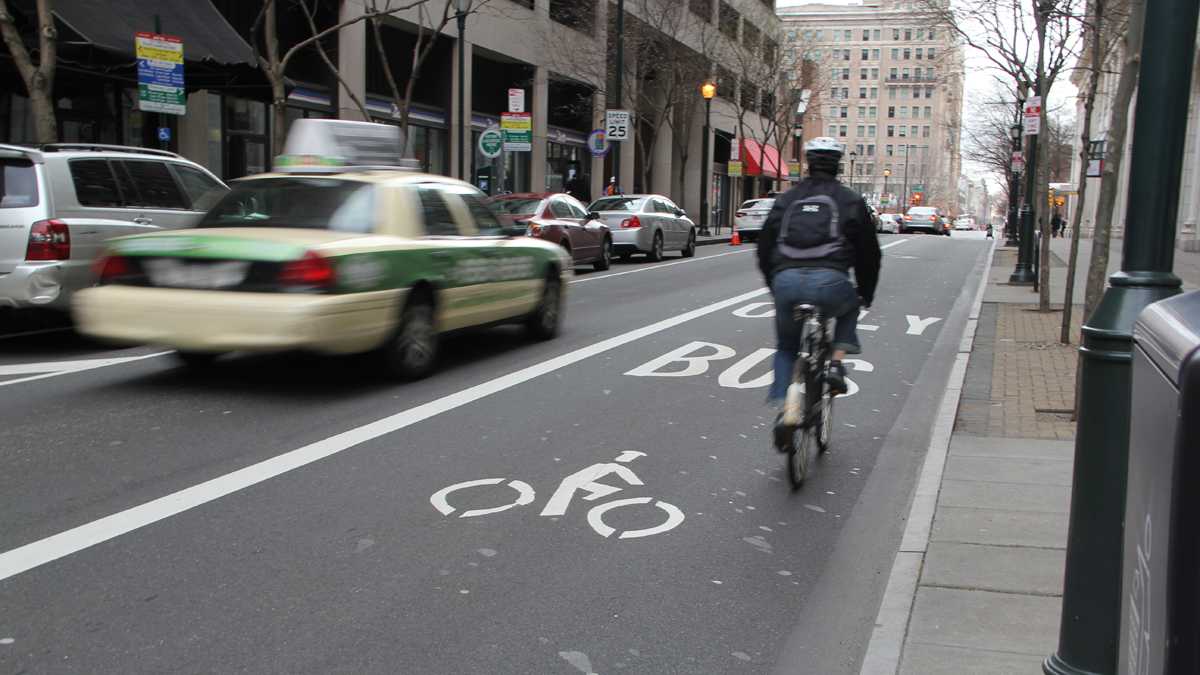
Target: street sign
1018 162
160 73
598 143
491 142
1033 111
793 168
518 131
918 188
734 168
516 100
616 125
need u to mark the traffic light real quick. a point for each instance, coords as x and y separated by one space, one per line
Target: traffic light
915 200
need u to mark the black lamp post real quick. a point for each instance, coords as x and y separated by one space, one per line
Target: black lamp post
853 156
887 173
463 6
904 205
1014 184
1023 273
1093 597
708 90
620 65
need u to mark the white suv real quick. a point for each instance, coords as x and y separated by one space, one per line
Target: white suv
59 203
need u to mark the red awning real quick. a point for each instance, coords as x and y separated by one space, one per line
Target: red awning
760 160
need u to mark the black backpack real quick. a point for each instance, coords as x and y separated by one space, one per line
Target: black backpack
811 229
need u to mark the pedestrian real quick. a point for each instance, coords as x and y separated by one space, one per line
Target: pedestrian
577 186
1056 225
989 231
613 188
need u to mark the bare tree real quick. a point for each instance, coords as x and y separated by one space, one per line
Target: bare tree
274 64
39 76
1118 123
1010 34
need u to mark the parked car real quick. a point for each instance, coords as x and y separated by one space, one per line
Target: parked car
749 218
649 224
61 202
964 223
331 259
558 218
889 222
924 219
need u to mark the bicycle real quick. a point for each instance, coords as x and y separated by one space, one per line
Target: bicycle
808 408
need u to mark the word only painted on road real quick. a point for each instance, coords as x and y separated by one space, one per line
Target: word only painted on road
766 310
695 358
586 481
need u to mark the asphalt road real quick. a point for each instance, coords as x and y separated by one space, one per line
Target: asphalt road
604 502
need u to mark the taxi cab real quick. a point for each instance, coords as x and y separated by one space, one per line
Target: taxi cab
342 250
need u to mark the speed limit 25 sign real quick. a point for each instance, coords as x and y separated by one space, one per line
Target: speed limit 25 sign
616 125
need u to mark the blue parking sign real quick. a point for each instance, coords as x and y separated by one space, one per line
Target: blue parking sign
164 134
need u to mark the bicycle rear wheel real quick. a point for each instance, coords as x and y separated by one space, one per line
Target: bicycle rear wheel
805 435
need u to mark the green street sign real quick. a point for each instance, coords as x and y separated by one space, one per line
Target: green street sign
918 188
491 142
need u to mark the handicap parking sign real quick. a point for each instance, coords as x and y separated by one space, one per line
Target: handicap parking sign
164 134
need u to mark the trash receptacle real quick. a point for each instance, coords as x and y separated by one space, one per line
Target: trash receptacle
1160 580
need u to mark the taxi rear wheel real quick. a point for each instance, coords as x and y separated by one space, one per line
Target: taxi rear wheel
543 324
412 352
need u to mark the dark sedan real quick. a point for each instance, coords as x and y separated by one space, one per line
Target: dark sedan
557 218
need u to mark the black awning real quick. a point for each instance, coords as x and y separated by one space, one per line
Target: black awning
111 24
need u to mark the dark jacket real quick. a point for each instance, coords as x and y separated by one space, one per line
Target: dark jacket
862 246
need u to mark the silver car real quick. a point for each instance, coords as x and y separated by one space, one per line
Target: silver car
61 202
750 216
649 224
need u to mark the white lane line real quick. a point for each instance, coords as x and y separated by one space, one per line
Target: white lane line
894 243
76 539
661 266
56 370
42 331
884 650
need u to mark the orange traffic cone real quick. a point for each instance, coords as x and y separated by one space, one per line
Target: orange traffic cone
736 240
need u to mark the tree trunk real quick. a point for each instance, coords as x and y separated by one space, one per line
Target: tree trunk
1114 152
1085 137
45 123
1038 198
39 77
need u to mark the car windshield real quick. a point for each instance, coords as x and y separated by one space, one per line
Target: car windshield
618 204
515 206
304 202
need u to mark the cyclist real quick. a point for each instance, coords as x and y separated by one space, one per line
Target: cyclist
811 238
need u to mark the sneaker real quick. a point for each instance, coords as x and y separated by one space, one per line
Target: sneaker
783 434
836 378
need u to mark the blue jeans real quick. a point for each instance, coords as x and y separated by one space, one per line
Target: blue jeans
828 289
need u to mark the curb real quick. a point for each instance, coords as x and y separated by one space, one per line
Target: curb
886 645
714 240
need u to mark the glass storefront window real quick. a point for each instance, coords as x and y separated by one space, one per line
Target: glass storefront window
245 115
567 170
508 172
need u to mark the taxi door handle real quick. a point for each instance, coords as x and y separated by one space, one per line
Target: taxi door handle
143 220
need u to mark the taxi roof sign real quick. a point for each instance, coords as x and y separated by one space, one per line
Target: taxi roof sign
322 145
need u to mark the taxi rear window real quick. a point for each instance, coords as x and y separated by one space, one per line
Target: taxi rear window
301 202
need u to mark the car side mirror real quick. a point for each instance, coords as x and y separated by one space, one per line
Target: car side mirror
591 215
680 212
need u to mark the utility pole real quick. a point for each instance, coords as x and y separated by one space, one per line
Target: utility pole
616 147
1092 601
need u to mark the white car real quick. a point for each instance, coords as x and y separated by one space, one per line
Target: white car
889 222
751 215
965 223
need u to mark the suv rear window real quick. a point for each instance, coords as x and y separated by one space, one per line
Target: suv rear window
18 184
311 203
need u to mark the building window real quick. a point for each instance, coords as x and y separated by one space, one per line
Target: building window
890 152
891 131
579 15
928 112
871 112
871 150
866 34
916 92
929 73
920 33
904 74
930 51
895 34
862 111
931 33
895 53
891 112
862 92
920 53
729 19
903 112
924 132
913 130
842 130
874 54
874 73
832 130
866 55
928 92
907 34
892 72
863 72
770 52
845 73
870 129
860 131
907 53
749 97
874 92
845 92
845 112
903 130
875 35
847 35
904 93
891 93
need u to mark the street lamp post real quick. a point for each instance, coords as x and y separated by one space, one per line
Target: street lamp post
463 6
1023 273
904 204
1014 183
887 173
708 90
1092 600
620 65
853 156
797 150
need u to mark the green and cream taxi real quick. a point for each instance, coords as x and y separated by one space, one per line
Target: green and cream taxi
329 258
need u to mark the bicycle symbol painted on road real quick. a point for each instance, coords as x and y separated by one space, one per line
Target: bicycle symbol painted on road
586 481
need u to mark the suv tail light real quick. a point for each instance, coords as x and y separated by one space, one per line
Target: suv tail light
49 240
631 223
310 271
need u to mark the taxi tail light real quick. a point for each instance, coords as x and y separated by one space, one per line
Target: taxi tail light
49 240
631 223
311 270
109 268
